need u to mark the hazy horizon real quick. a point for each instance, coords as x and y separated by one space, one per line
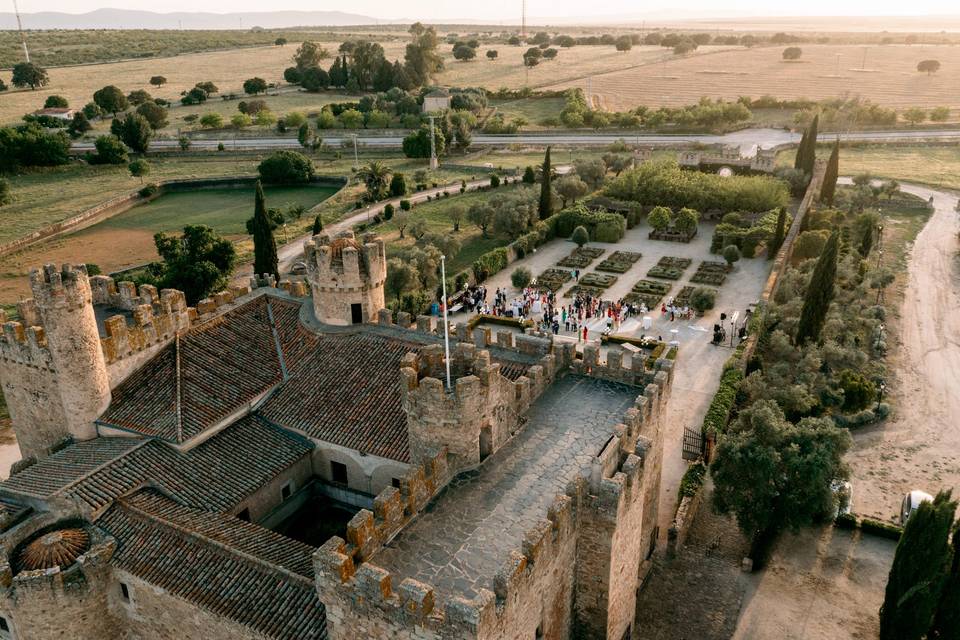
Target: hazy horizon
497 11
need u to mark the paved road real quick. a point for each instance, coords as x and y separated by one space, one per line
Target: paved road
747 139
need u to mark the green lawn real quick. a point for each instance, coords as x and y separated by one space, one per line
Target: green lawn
435 213
224 209
533 110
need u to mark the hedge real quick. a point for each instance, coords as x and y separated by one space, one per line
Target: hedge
722 404
846 521
603 226
882 529
542 233
746 237
666 184
502 320
490 263
692 480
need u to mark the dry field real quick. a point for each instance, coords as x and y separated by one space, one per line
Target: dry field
890 77
228 70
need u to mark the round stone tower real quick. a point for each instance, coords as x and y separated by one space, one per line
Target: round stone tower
65 304
346 277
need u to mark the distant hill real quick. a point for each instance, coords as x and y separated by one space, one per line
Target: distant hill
126 19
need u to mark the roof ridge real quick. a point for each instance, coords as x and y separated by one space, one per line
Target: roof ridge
178 392
144 441
285 375
126 503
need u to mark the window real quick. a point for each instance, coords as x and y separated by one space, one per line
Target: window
286 490
339 472
124 592
245 514
395 482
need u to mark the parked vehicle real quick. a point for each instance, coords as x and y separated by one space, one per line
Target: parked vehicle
910 503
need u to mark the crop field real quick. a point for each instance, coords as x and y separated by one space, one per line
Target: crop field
228 70
889 77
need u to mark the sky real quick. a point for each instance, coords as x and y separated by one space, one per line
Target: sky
501 10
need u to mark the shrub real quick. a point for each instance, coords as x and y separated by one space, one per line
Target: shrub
405 205
602 226
718 413
490 263
494 181
149 190
520 277
731 254
667 184
580 236
286 167
692 480
388 211
846 521
703 299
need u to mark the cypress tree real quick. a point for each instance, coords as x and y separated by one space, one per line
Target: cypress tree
816 301
946 623
801 149
546 191
264 245
918 573
317 225
810 153
777 241
829 187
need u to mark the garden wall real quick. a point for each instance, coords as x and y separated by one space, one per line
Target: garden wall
120 204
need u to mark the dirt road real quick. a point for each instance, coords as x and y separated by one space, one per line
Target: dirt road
919 447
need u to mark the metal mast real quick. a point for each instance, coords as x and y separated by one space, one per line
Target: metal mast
523 20
434 163
23 39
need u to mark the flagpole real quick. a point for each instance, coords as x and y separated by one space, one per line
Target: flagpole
446 325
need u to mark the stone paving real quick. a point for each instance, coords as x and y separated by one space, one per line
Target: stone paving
462 539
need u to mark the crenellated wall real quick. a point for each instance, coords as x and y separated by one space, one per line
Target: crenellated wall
477 415
575 575
343 272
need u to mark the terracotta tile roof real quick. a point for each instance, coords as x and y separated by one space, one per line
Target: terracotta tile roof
209 372
347 392
215 475
230 568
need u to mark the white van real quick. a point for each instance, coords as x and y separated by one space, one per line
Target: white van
910 503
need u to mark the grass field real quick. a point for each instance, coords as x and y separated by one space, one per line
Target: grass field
937 166
826 71
127 239
228 70
533 111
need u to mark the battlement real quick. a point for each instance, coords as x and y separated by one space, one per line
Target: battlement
27 347
635 371
65 287
157 317
366 593
343 261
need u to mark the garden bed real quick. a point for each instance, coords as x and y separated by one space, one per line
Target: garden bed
669 268
599 280
581 257
578 289
553 279
647 292
619 261
672 236
712 273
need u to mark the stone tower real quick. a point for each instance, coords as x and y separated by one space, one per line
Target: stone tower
53 373
346 277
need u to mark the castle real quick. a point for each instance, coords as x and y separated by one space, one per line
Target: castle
179 464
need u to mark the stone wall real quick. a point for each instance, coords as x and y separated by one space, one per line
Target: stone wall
477 416
71 603
268 497
634 372
156 614
342 272
575 576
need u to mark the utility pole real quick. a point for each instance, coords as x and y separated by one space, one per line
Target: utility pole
23 39
434 163
356 159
